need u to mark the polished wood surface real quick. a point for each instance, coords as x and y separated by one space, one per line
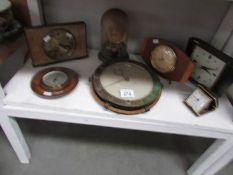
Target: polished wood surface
35 35
38 87
184 65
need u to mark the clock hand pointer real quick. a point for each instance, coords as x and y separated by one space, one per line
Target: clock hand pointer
117 81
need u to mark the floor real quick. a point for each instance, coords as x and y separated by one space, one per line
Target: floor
68 149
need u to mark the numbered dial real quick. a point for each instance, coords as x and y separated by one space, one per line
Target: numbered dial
55 79
163 59
59 44
126 83
208 67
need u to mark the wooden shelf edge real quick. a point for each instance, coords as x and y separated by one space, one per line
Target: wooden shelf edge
7 48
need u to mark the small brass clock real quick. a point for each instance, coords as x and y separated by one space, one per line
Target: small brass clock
201 101
126 87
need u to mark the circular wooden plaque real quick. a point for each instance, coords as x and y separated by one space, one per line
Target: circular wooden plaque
54 82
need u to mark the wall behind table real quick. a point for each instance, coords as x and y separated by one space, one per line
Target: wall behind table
175 20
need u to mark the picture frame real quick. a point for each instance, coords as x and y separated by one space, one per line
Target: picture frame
56 43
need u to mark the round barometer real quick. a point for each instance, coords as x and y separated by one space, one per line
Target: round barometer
59 44
126 87
54 81
163 58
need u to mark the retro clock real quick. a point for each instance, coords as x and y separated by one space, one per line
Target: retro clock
125 87
213 68
166 59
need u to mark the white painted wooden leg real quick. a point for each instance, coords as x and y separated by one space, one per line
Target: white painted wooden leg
16 139
212 155
221 163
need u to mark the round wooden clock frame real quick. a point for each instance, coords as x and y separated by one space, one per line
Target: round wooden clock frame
124 106
40 88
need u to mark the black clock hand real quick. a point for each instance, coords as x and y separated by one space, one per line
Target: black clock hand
205 68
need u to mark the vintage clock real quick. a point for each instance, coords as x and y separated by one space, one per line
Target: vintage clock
56 43
126 87
114 35
214 69
59 44
201 101
166 59
54 82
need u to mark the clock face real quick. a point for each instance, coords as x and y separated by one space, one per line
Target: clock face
208 67
198 100
163 59
126 84
59 44
126 76
55 79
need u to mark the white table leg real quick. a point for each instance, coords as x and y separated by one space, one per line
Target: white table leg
221 163
214 153
16 139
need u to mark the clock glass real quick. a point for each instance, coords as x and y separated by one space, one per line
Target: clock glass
59 44
55 79
126 84
208 67
198 100
126 76
163 58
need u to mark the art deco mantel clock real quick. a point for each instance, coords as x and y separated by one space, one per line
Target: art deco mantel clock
166 59
214 69
56 43
126 87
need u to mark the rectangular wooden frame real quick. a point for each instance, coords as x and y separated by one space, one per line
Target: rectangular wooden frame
34 36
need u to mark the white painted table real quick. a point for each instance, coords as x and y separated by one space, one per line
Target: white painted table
169 115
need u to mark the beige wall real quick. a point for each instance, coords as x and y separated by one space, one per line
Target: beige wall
175 20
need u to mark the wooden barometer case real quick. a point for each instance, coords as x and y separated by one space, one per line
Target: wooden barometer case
166 59
54 82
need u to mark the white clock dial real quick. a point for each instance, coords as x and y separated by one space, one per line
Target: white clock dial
55 79
198 100
208 67
127 81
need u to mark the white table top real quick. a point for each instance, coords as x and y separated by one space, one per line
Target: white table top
169 109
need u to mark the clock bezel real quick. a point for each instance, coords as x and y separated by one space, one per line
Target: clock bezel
42 90
223 79
174 54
